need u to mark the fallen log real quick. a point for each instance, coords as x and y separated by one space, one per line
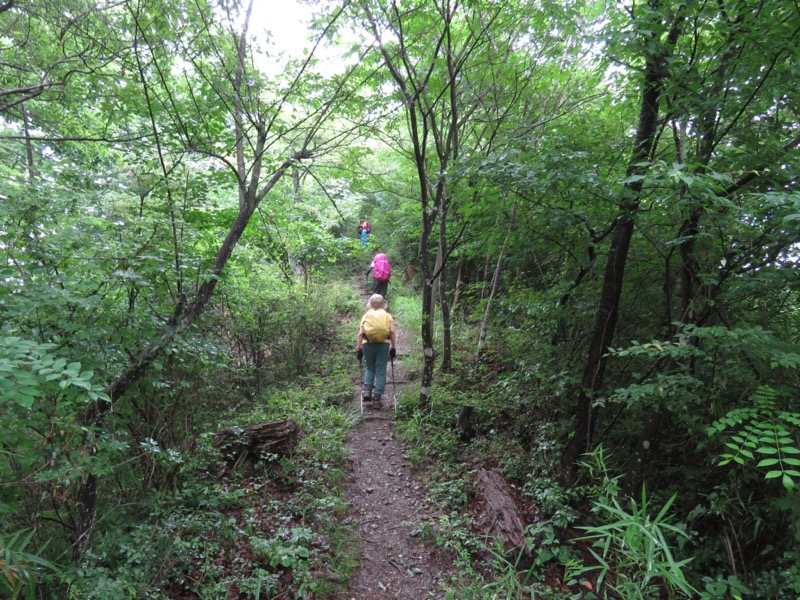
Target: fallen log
252 443
504 518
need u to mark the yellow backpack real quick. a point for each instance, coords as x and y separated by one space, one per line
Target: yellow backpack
376 325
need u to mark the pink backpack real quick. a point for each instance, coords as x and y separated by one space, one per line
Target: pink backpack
383 270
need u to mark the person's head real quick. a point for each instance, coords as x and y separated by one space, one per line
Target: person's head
376 302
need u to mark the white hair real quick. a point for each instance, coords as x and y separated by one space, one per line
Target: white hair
376 301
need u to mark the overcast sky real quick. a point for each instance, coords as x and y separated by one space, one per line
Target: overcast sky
285 20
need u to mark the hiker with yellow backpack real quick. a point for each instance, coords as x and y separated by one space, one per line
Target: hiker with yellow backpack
376 344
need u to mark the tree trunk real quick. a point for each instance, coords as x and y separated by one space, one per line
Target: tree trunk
498 270
605 323
464 422
457 286
689 277
32 173
250 196
485 281
447 325
447 349
428 354
488 307
608 311
296 268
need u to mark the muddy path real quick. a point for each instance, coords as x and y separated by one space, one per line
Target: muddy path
388 508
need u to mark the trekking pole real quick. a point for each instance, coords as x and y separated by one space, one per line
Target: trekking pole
361 384
394 391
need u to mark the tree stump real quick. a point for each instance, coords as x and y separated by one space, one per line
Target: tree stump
252 442
464 423
504 518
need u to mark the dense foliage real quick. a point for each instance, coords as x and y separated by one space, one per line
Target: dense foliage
593 214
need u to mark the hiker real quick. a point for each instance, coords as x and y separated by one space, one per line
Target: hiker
376 343
364 229
381 273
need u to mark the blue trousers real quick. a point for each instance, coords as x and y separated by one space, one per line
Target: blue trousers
376 356
364 239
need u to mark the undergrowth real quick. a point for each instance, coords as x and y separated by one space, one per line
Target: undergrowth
506 436
270 526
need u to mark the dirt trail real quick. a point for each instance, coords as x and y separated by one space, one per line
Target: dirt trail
388 507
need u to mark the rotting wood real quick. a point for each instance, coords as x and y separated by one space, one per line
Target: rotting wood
464 423
502 511
241 444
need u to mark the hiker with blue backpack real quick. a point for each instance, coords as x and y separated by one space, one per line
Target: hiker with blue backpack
381 273
364 229
376 344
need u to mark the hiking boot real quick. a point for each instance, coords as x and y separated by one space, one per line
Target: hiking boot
376 402
367 399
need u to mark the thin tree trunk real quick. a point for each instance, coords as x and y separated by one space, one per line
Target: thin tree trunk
32 173
457 287
488 307
437 269
447 335
498 270
183 317
447 350
488 261
428 353
690 265
296 267
428 293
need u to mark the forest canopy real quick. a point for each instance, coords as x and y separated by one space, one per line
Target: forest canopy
593 214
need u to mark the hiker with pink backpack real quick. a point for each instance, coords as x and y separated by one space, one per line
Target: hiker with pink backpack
381 273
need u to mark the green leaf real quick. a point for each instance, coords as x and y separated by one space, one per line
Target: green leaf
768 462
24 400
633 178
